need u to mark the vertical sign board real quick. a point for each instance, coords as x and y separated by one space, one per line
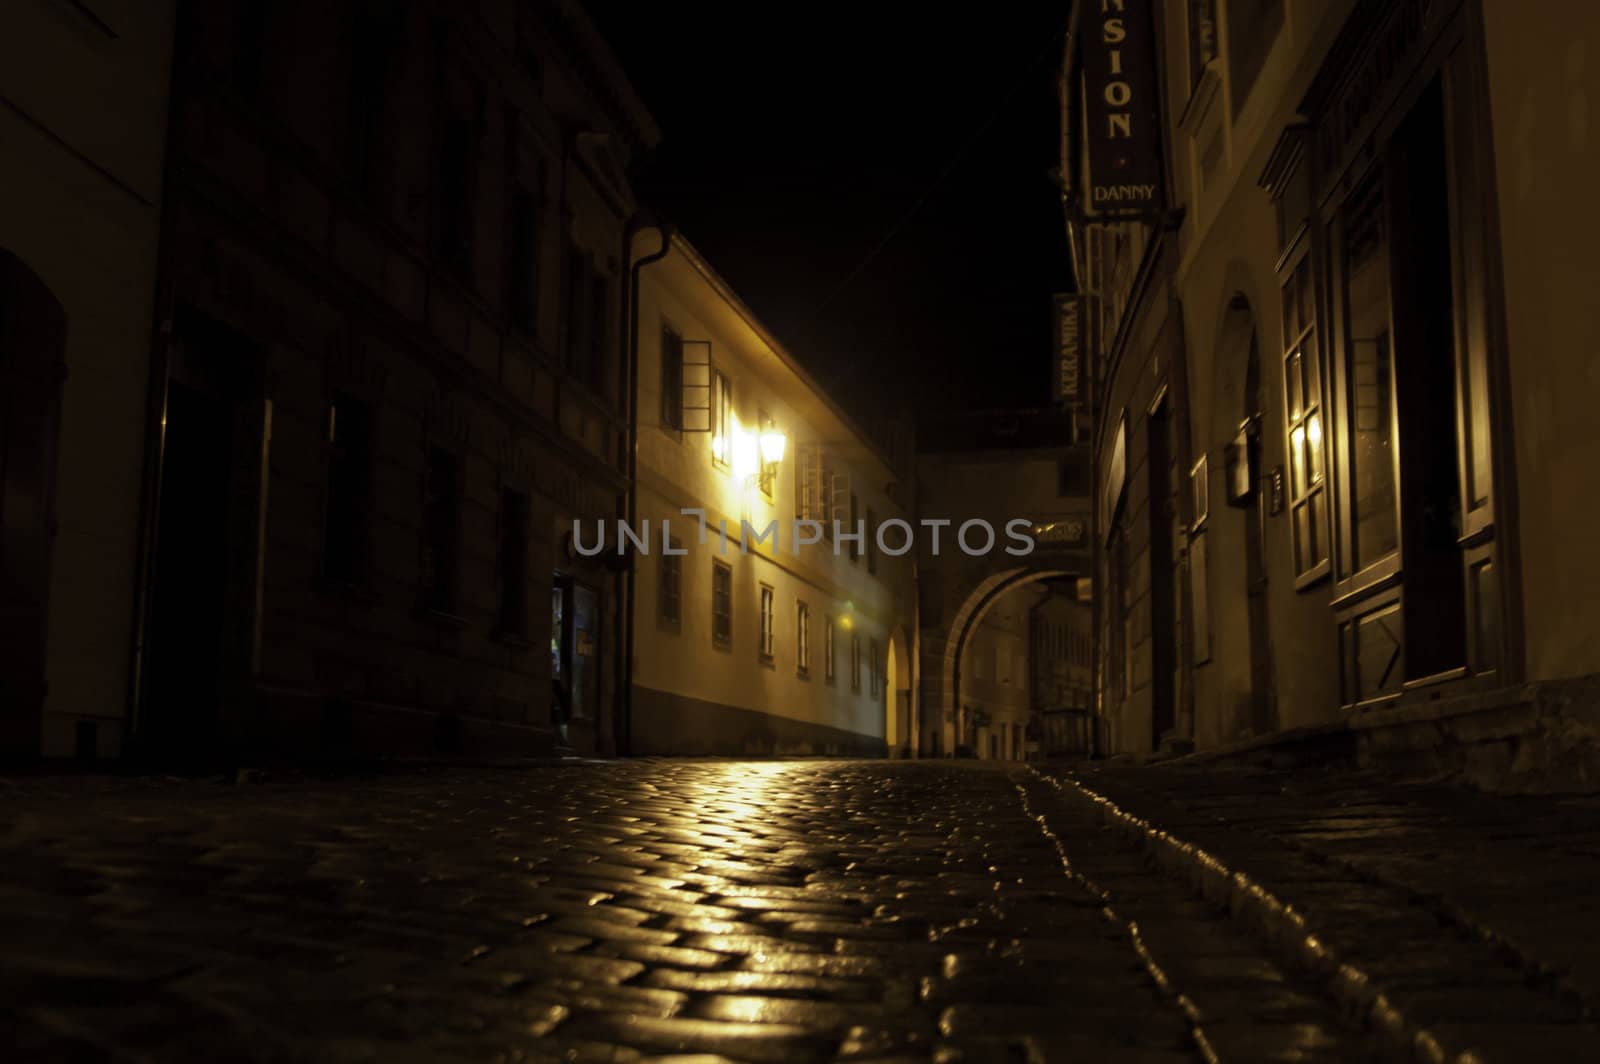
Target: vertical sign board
1065 318
1122 132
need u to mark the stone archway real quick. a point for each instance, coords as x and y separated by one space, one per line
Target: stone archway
943 645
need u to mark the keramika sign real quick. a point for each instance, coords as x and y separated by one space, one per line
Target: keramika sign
1121 110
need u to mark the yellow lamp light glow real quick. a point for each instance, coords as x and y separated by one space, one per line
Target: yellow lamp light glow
772 447
746 455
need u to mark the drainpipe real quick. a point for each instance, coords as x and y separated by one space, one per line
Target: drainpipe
630 334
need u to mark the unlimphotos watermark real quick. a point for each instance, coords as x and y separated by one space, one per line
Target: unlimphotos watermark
894 537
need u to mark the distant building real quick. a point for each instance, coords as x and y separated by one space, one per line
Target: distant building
83 117
396 255
759 645
992 709
1341 426
1061 656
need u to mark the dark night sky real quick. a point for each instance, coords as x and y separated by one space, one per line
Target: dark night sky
792 146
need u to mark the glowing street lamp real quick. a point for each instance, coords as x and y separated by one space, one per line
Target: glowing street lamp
746 455
773 443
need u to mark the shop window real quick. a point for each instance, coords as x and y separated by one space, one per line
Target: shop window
802 638
1303 412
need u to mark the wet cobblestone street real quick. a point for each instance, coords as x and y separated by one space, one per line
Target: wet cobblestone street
751 911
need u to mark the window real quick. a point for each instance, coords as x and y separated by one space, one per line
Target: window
367 49
808 483
522 258
574 296
872 667
514 511
827 650
344 549
721 604
826 510
1302 383
855 544
871 548
454 211
1252 27
769 470
671 379
669 588
855 662
598 356
441 558
721 419
802 638
768 622
1369 380
1202 37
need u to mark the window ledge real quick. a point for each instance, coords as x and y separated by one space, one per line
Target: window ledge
1312 577
514 640
1202 101
443 619
356 591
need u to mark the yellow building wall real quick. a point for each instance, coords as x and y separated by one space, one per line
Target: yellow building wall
676 471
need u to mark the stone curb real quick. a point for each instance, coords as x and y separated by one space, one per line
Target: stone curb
1282 927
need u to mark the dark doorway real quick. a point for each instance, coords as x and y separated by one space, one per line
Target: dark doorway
1263 688
203 580
1163 619
33 333
1425 394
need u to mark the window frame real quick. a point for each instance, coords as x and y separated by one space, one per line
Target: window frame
802 638
671 359
767 598
855 662
669 587
352 471
1305 417
830 662
721 420
721 619
442 532
513 608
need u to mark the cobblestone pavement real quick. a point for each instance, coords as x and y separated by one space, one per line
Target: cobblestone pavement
1473 914
767 911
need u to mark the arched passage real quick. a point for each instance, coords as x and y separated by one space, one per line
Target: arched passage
899 727
943 724
33 333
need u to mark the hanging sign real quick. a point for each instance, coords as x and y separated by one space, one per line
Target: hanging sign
1121 110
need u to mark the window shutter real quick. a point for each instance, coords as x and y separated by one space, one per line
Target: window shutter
696 385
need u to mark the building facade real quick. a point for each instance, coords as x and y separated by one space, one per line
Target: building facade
1330 433
754 642
83 118
390 379
991 469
